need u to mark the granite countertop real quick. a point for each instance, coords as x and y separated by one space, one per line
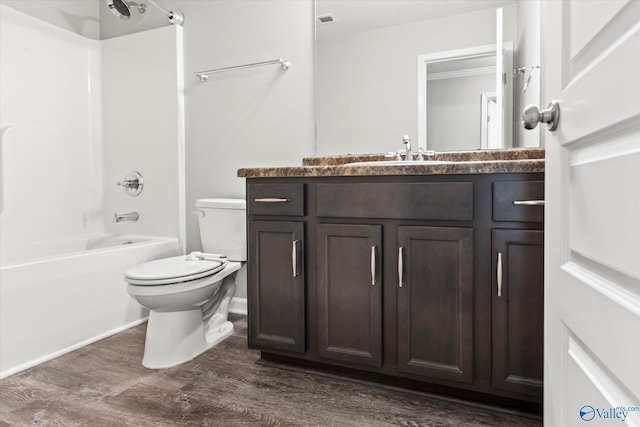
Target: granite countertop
463 162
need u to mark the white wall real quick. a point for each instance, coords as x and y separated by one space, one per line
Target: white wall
81 17
256 117
527 54
142 130
251 118
51 164
367 82
260 117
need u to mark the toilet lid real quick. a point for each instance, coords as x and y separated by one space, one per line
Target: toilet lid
172 270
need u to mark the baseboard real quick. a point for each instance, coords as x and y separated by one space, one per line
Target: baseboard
238 305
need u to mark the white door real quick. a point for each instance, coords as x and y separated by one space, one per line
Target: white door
591 65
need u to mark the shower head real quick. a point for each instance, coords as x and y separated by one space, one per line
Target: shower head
122 9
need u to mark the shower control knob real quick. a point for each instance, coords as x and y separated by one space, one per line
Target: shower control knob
132 183
532 115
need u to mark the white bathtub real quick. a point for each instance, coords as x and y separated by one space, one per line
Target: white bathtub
57 303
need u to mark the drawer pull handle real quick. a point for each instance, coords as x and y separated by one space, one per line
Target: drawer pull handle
529 202
400 266
373 265
272 200
499 274
294 258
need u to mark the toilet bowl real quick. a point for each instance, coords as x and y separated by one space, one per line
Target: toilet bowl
188 296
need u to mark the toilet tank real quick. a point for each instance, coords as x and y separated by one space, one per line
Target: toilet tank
223 227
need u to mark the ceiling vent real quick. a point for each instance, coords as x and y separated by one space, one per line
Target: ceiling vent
325 19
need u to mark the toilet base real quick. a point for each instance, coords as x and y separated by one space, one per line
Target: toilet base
174 338
219 334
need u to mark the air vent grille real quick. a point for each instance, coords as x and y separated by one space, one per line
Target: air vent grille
327 18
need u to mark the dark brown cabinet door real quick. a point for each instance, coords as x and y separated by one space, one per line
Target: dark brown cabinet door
435 302
517 311
349 295
276 286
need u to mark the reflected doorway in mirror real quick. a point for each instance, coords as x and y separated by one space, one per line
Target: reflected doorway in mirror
450 83
489 126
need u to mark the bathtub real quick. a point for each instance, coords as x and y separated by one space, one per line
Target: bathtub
53 304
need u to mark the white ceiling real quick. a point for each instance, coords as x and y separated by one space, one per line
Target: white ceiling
363 15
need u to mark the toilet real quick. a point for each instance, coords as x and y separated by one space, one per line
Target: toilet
188 296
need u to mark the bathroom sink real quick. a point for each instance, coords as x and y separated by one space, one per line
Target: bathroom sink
399 163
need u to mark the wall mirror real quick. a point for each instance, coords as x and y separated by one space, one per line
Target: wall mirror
464 102
386 68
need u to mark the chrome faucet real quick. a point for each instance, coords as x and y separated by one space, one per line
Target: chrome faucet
422 153
131 216
407 142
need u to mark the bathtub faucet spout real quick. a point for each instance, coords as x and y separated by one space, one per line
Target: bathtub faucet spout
131 216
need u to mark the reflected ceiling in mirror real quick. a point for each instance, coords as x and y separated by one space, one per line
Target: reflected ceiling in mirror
364 15
367 96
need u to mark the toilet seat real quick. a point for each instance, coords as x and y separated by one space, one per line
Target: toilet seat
172 270
183 286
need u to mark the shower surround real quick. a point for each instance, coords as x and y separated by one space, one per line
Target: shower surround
76 115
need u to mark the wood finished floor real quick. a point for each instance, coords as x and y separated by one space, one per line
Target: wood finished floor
104 384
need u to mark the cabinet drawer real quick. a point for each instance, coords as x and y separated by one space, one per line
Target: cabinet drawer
521 201
275 199
424 200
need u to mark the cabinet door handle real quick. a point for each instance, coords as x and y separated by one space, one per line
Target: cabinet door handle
499 274
400 266
529 202
272 200
373 265
294 258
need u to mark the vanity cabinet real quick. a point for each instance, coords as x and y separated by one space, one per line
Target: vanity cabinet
276 286
276 277
398 280
517 311
517 304
435 302
349 293
434 271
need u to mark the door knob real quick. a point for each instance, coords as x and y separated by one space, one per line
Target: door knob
532 115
